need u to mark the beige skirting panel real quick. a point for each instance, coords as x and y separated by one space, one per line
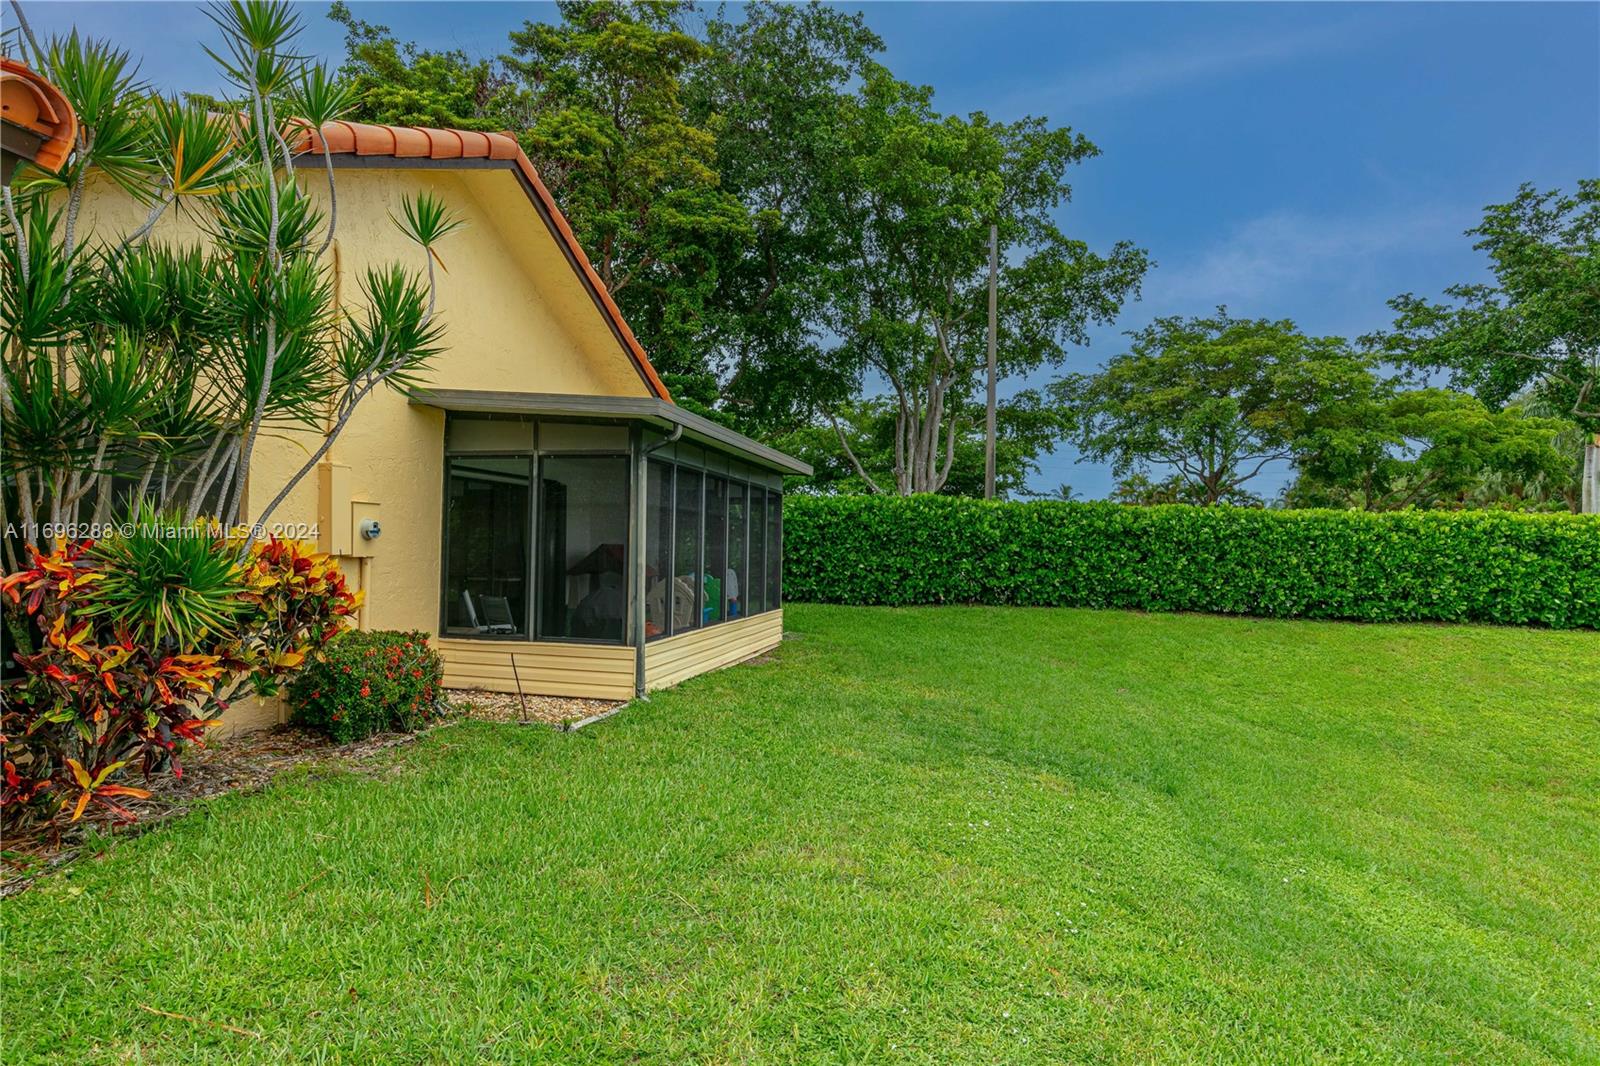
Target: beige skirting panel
598 671
246 714
675 659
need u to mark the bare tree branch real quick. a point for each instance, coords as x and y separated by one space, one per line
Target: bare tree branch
851 455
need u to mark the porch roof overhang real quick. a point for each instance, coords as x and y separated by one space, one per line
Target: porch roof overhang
644 409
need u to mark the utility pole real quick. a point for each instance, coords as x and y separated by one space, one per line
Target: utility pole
1590 487
994 327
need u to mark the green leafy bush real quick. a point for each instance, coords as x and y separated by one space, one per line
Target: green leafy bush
1515 569
368 682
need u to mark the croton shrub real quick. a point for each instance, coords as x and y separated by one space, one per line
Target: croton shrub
138 645
368 682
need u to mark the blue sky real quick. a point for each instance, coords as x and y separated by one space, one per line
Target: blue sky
1305 161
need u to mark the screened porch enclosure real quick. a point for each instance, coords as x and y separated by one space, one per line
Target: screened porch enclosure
720 539
588 555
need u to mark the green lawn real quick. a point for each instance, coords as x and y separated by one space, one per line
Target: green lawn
927 835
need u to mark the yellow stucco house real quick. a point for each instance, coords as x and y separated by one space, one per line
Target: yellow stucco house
541 506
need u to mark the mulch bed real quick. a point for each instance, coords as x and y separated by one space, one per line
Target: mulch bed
559 711
249 761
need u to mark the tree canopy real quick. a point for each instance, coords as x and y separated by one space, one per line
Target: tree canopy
920 192
773 85
1389 448
1216 399
1538 326
637 177
799 238
780 218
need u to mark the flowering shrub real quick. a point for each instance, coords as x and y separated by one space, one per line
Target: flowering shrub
141 643
368 682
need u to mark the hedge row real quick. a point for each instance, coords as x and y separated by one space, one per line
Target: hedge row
1515 569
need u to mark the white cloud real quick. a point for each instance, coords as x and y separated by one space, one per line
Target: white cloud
1275 252
1146 71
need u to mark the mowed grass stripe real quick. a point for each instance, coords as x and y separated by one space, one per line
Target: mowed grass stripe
917 835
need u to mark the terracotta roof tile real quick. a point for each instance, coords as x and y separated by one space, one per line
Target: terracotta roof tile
443 144
412 143
417 142
34 104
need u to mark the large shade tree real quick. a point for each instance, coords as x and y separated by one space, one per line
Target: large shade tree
784 223
1385 447
1213 401
918 192
614 140
773 84
1536 328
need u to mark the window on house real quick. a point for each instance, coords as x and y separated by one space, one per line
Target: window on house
686 563
658 550
738 530
757 592
716 583
486 545
583 535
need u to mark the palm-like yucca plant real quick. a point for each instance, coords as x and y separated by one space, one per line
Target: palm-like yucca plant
197 150
166 295
45 428
317 98
426 221
39 302
254 218
102 84
388 345
241 333
255 37
167 584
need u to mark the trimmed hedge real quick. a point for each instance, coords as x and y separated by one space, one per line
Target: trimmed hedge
1457 566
